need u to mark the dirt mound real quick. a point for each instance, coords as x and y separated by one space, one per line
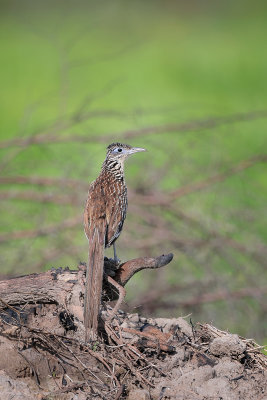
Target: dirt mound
43 356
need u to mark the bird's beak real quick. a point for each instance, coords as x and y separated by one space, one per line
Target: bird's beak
136 150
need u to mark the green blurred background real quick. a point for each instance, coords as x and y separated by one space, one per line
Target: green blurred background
187 81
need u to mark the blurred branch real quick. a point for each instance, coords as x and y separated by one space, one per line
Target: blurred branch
41 181
203 298
219 239
51 135
156 198
33 233
189 126
106 57
51 254
261 158
40 197
60 125
150 298
214 239
164 199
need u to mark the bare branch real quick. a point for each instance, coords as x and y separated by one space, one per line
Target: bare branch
128 269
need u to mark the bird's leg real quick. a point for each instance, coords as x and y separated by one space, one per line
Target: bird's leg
122 294
117 261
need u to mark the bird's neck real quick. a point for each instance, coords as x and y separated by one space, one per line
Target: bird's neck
115 167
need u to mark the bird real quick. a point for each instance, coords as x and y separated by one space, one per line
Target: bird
104 215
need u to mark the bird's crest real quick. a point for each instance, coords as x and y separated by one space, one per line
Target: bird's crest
113 145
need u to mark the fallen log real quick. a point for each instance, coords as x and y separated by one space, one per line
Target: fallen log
65 287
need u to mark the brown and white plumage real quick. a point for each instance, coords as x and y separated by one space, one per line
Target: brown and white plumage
104 215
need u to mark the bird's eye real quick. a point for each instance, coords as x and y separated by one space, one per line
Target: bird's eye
119 150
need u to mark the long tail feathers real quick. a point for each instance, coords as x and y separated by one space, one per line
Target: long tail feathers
94 278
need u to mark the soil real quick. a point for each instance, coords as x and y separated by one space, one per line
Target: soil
43 356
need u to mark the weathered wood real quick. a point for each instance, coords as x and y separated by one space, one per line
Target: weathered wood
129 268
47 287
57 286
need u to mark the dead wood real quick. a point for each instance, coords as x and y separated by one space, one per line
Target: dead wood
43 313
59 285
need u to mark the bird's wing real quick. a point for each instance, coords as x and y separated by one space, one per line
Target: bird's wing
115 212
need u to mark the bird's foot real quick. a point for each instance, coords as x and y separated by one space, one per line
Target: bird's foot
116 260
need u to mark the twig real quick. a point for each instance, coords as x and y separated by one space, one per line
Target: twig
32 367
101 359
120 391
79 361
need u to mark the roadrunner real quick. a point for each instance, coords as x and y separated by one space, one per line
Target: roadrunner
104 215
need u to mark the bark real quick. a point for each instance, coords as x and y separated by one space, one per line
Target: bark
65 286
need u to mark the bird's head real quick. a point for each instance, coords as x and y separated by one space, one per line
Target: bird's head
119 152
